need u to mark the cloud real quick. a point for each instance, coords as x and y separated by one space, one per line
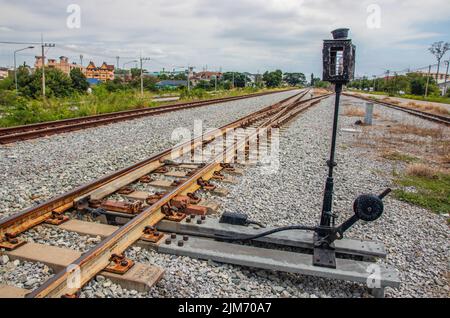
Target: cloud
242 35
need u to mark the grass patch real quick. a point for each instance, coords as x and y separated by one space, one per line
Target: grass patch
404 129
398 156
16 110
432 188
353 111
433 99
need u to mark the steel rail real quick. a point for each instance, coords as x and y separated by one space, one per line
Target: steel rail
424 115
94 261
15 224
26 132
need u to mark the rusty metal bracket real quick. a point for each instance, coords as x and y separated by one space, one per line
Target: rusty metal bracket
126 190
152 199
11 243
227 167
218 176
123 207
206 185
145 179
176 183
119 264
161 170
151 235
72 296
57 219
172 214
193 198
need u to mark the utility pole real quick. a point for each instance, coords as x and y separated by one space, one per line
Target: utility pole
117 59
215 81
81 59
446 77
15 67
428 81
44 45
374 83
233 80
189 70
142 73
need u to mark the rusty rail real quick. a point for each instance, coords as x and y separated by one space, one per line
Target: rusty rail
20 133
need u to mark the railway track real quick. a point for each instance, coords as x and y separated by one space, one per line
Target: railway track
144 218
445 120
20 133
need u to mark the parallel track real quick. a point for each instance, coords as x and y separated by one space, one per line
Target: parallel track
20 133
425 115
98 258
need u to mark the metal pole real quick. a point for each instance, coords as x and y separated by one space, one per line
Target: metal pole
328 195
142 80
43 71
188 78
446 76
15 71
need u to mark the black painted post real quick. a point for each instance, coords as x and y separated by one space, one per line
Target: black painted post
328 195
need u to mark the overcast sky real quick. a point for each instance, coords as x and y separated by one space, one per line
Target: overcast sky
241 35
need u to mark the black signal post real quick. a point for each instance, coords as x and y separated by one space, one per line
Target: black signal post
338 68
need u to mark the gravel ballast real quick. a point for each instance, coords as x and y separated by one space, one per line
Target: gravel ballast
416 239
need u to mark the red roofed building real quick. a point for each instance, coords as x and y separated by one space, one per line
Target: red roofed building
103 73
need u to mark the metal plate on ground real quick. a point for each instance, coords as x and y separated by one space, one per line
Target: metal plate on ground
284 261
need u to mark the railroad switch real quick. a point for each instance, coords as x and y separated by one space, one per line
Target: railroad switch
119 264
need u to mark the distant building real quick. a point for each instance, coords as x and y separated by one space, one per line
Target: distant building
4 72
441 76
171 84
103 73
444 87
205 76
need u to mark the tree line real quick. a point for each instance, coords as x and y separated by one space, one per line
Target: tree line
411 83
